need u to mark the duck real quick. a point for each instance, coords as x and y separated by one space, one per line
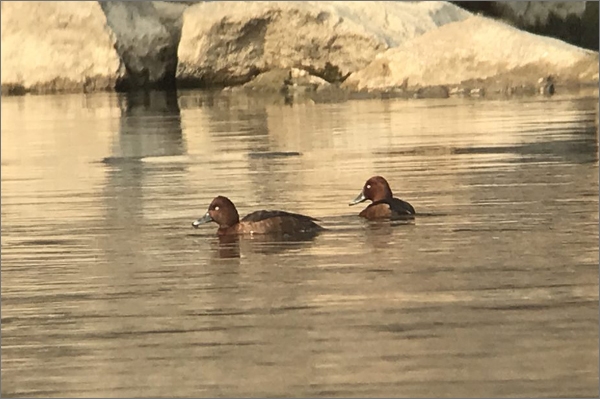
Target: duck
384 205
224 213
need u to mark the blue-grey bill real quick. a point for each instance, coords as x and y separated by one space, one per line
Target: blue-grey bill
361 198
204 219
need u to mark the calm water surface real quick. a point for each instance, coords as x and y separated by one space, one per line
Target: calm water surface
108 291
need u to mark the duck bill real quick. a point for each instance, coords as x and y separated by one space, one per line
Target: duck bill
204 219
361 198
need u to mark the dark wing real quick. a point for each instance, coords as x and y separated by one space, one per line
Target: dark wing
263 215
401 207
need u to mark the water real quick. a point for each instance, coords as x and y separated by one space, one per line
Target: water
108 291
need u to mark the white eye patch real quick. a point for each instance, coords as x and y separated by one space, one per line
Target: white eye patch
368 186
216 208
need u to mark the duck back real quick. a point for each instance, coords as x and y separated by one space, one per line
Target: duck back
278 222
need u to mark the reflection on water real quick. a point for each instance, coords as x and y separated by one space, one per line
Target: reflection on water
230 246
107 291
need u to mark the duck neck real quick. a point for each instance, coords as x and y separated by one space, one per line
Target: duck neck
228 230
385 196
232 219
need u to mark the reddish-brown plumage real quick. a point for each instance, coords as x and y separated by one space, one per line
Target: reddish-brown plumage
384 205
223 212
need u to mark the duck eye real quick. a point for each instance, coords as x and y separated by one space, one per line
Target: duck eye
216 208
368 186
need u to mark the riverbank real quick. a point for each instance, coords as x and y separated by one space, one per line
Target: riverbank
324 51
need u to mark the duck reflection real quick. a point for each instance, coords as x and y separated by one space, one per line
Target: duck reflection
227 247
233 246
380 233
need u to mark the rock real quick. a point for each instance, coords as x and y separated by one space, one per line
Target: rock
546 85
275 80
477 92
331 93
292 85
477 51
228 43
300 51
433 92
285 79
56 46
148 35
301 77
458 91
